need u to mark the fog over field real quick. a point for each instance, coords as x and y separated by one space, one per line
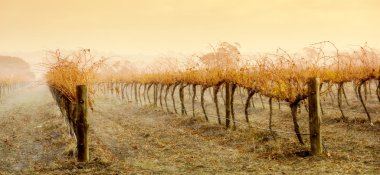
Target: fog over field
189 87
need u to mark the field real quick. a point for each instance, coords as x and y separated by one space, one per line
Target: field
220 113
130 138
189 87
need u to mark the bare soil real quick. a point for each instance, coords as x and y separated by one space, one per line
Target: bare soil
127 138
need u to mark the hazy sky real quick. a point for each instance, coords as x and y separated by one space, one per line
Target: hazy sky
164 26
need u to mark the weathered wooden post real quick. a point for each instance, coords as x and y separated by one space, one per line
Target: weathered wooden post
314 116
228 104
155 95
81 124
182 99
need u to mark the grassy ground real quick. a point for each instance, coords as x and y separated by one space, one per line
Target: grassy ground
130 139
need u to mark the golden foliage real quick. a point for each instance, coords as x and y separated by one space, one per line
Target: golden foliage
279 75
68 71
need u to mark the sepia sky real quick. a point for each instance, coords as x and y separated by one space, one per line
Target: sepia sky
184 26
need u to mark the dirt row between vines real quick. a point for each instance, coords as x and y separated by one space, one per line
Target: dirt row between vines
130 139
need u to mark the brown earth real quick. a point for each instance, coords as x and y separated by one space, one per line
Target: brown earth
127 138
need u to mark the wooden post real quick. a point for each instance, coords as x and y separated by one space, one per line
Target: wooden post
81 124
228 104
314 116
155 95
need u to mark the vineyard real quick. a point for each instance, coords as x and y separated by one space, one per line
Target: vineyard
9 84
188 87
211 112
280 77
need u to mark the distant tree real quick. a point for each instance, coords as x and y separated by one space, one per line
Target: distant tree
226 55
15 68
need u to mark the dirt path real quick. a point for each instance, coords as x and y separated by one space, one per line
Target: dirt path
34 138
145 140
25 137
